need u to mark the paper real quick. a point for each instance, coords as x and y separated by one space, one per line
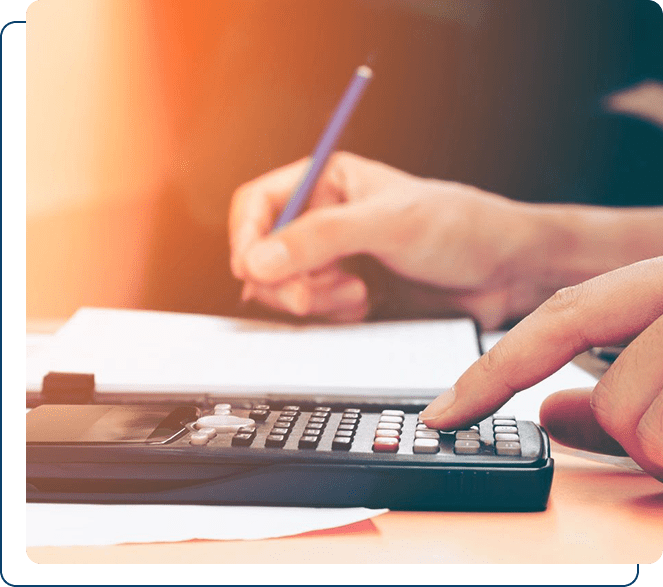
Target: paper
141 351
95 525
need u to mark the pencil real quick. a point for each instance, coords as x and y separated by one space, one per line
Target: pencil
326 145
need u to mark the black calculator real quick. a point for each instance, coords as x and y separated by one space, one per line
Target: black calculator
297 454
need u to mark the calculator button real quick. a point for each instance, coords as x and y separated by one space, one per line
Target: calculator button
198 438
427 434
242 439
280 431
286 419
400 413
211 432
262 407
388 426
352 411
381 444
316 425
312 431
315 419
324 415
284 424
223 423
422 426
275 440
467 435
466 447
349 418
247 430
309 441
503 417
341 443
289 413
291 409
507 437
425 445
347 427
511 449
347 433
388 433
259 415
396 419
322 409
505 429
503 422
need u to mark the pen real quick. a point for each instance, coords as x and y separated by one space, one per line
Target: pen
326 144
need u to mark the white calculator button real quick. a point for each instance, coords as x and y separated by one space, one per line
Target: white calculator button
211 432
222 407
505 429
389 426
511 449
427 434
467 435
198 438
503 422
387 433
223 423
466 447
396 419
425 445
507 437
400 413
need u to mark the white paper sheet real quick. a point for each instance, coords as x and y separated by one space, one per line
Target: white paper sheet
130 350
95 525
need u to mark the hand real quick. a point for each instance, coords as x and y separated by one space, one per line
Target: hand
624 412
449 248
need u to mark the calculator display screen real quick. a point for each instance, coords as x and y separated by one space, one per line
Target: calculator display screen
60 424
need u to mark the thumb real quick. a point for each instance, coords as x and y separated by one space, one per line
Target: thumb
310 242
569 419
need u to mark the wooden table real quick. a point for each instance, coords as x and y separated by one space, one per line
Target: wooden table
597 513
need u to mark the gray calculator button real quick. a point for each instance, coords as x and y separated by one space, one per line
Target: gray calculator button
505 429
425 445
427 434
466 447
507 437
504 422
422 426
467 435
503 417
511 449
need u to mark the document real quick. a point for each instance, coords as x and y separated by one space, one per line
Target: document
161 352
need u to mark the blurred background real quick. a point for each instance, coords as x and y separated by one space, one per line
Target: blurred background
143 116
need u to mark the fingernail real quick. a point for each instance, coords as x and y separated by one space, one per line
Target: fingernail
267 258
439 405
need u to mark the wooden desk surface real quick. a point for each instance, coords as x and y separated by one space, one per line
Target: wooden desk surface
597 514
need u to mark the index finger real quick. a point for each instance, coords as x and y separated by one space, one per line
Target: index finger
254 207
599 312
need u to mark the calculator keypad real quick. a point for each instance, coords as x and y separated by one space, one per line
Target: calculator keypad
324 429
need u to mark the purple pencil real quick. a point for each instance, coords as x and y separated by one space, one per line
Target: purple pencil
326 145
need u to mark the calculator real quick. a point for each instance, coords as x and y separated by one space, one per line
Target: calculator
297 454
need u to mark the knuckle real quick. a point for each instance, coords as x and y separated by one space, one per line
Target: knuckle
649 433
601 403
565 300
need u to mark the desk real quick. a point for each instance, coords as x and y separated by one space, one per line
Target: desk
597 513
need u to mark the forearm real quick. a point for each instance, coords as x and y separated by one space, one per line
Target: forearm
574 243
